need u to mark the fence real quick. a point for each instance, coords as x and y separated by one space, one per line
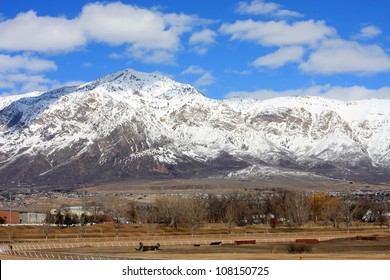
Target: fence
39 250
251 235
66 256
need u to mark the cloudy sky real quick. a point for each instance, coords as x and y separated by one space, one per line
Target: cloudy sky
253 48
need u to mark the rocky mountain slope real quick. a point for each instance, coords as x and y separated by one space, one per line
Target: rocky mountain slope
133 125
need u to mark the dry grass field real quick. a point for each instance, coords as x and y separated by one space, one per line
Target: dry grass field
99 242
218 185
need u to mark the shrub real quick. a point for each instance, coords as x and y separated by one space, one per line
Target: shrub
299 248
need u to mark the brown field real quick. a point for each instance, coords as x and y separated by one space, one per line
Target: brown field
216 185
98 242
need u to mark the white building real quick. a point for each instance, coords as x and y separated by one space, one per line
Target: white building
32 218
77 210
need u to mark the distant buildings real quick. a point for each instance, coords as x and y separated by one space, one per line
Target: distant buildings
75 210
17 218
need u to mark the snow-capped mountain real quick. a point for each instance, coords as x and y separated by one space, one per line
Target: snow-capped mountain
131 124
7 100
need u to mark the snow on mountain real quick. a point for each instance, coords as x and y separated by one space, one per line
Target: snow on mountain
133 124
7 100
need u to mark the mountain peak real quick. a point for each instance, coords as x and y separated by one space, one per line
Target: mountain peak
146 84
126 78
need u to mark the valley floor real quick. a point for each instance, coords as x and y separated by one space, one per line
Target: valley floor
357 244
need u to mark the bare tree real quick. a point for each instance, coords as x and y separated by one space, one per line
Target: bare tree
256 202
230 216
238 210
362 206
48 223
132 212
298 207
95 207
215 208
243 213
333 211
278 205
348 210
116 206
194 213
11 233
381 212
83 220
170 210
151 215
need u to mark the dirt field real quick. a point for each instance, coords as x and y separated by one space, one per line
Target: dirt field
336 249
178 244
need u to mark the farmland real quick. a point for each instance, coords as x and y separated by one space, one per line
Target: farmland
99 242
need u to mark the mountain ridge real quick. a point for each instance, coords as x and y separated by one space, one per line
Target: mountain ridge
131 124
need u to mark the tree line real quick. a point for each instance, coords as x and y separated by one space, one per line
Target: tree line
284 207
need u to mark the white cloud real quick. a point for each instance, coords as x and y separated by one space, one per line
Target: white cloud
23 82
256 7
280 57
205 80
260 7
340 56
22 73
117 24
367 32
278 33
151 56
206 77
182 23
288 13
238 72
204 37
327 53
327 91
25 62
202 40
200 49
193 69
143 30
20 83
29 32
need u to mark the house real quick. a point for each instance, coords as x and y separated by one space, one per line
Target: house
369 216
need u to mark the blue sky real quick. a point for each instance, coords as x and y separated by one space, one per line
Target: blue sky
253 48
